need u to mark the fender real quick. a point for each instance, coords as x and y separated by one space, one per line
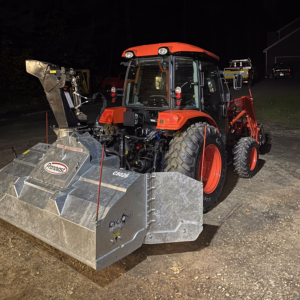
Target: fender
112 115
175 119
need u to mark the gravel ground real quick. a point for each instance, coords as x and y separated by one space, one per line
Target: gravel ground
249 248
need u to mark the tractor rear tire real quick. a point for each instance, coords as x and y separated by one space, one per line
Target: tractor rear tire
185 156
245 157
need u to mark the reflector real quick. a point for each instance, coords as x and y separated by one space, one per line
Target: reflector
178 94
113 92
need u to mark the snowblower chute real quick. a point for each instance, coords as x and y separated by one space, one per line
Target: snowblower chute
50 191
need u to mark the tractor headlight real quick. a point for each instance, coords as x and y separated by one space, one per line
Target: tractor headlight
129 54
163 51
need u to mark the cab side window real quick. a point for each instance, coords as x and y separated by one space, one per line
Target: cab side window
212 91
186 77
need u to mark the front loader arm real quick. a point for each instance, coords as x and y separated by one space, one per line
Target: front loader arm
239 109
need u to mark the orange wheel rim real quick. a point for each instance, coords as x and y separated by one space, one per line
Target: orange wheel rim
212 168
252 160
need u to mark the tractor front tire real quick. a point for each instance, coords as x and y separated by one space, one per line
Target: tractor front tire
185 156
245 157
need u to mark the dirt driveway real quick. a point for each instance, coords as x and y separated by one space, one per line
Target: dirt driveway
249 248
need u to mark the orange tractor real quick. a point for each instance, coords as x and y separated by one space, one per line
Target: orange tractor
144 172
174 103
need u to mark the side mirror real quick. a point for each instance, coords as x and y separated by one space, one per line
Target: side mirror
211 85
125 63
237 81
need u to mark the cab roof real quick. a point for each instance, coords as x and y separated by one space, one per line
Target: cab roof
152 50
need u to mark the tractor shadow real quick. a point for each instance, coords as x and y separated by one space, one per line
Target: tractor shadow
230 183
232 179
121 267
266 148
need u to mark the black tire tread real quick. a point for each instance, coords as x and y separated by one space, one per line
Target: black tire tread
185 146
183 149
240 157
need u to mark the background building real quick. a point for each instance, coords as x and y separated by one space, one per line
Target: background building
285 49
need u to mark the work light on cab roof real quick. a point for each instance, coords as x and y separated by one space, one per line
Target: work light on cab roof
129 54
163 51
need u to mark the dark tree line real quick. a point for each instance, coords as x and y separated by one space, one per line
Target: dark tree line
93 34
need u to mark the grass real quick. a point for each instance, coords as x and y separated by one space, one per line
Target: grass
282 109
277 100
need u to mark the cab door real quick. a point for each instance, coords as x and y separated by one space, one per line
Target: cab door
213 96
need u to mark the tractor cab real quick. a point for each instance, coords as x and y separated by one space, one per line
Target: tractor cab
174 78
160 79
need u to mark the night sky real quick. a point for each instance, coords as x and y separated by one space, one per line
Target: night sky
93 34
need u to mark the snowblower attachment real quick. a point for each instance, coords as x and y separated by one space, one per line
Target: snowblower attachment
53 80
51 191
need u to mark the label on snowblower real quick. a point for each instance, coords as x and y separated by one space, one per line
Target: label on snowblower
56 168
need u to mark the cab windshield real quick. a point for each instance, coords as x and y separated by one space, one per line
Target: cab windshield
148 83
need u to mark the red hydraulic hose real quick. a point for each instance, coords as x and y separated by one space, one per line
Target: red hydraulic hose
202 163
47 127
99 184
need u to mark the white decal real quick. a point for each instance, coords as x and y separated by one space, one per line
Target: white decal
124 175
55 168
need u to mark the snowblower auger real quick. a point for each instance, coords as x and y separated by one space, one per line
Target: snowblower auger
50 191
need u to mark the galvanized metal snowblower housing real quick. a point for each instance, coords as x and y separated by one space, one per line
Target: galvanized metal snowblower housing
51 192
